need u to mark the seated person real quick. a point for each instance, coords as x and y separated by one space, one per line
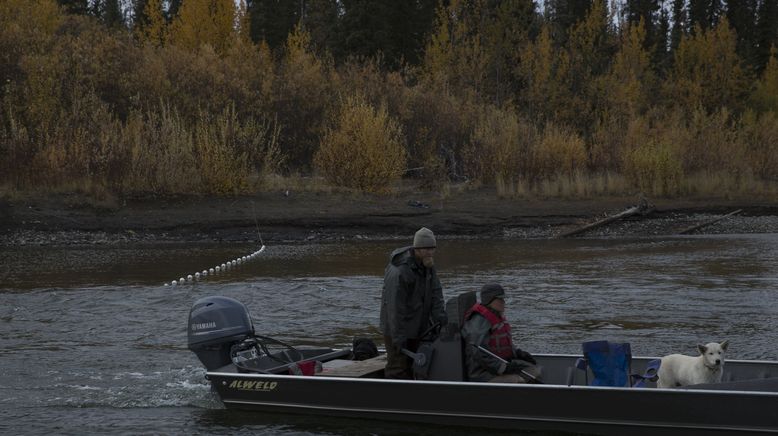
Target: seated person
497 360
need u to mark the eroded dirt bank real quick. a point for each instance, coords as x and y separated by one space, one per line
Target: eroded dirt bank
68 219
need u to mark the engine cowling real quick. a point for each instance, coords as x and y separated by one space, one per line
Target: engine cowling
215 324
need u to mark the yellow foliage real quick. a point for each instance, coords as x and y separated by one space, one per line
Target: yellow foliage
560 152
500 148
765 96
202 22
155 31
627 86
364 148
654 167
760 135
708 71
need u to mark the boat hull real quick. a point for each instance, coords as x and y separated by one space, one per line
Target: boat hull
577 408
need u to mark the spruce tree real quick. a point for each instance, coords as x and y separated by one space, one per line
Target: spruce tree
742 17
563 14
680 24
273 20
75 6
767 32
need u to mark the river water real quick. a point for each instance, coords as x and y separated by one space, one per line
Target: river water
91 342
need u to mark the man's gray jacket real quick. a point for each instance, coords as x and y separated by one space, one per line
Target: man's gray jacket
412 298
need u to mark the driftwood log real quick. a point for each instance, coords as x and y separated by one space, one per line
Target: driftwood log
688 230
643 207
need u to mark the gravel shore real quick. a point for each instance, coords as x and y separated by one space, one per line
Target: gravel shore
304 217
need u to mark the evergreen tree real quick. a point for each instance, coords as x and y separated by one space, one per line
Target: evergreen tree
322 23
648 11
110 13
655 35
75 6
173 6
563 14
511 26
704 13
397 29
680 24
661 50
139 18
273 20
767 32
741 15
591 46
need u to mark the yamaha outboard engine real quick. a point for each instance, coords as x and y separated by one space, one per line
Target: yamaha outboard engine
215 324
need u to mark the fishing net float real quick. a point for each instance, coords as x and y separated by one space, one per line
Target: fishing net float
216 269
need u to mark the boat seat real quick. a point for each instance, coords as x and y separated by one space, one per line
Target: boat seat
447 357
372 367
610 365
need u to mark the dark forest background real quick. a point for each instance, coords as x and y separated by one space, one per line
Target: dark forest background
560 98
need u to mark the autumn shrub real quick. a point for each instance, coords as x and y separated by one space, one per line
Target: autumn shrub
301 99
654 167
760 136
559 152
765 94
162 154
442 126
26 27
501 147
712 143
223 167
363 149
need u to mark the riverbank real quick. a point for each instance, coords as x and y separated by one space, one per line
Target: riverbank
304 216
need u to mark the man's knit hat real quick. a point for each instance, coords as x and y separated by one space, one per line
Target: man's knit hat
424 238
490 291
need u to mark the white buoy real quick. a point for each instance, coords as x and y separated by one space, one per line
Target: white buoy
189 278
211 270
218 268
197 276
173 283
166 284
205 272
224 266
181 280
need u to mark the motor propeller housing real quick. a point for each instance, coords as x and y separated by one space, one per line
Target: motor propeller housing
215 324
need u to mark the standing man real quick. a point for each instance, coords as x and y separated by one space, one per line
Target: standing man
486 327
411 301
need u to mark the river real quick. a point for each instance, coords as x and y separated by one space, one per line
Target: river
91 342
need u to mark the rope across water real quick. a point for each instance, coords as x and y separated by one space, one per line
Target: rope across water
215 270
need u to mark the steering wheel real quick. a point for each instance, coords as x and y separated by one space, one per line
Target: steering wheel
266 343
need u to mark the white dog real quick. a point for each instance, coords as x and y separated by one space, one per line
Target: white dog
679 370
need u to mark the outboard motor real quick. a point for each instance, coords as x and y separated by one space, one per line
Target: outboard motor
215 324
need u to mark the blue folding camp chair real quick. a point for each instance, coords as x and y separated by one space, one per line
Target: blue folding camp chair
610 364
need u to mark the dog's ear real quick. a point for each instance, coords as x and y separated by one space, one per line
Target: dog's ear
702 348
724 345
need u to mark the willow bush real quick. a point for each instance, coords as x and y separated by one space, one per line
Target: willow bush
363 149
500 148
560 152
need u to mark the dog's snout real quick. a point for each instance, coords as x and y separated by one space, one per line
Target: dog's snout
718 361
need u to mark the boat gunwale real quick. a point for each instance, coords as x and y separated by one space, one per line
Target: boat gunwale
513 385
